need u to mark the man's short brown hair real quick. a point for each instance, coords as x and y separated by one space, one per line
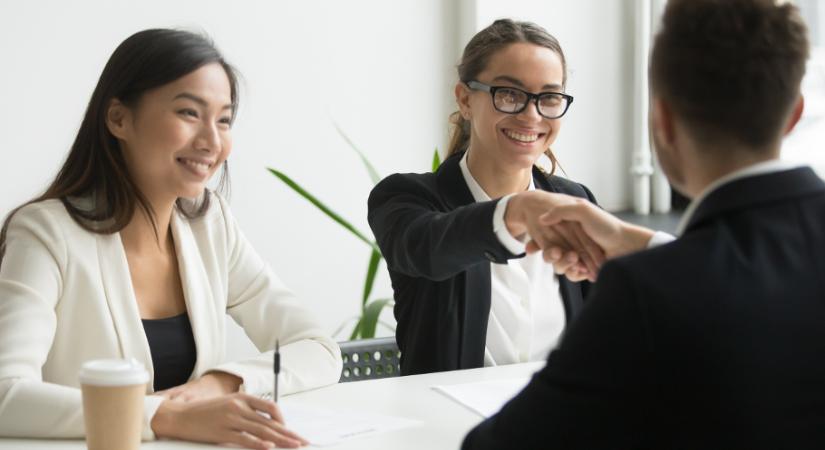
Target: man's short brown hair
730 68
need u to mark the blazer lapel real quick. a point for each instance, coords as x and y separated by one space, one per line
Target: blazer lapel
120 297
473 335
451 184
198 295
754 190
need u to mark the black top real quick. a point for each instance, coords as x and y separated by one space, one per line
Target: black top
713 341
172 345
438 244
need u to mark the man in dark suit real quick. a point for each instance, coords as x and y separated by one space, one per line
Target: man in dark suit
717 339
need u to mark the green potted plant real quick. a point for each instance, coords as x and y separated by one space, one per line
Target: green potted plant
370 307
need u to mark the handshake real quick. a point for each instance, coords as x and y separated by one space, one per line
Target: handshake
573 234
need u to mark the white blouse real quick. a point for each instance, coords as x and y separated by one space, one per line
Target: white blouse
526 313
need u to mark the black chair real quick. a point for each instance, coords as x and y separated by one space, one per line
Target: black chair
369 359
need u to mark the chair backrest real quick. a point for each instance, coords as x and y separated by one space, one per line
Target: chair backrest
368 359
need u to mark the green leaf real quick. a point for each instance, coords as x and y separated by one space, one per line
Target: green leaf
357 330
369 320
436 160
367 164
330 213
372 268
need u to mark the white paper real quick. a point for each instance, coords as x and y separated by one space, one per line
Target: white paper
324 427
484 397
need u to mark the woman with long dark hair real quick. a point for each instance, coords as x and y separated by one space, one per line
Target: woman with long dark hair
127 254
453 239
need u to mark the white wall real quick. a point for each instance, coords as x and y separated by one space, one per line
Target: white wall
597 36
383 70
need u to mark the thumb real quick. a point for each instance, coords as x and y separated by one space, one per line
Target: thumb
573 212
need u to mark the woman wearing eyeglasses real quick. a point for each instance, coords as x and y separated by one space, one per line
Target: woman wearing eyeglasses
454 240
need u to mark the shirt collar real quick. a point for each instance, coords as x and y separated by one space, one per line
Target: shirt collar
478 192
760 168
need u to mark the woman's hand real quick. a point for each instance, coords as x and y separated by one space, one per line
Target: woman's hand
210 385
575 248
229 419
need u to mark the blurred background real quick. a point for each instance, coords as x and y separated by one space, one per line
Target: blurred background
384 72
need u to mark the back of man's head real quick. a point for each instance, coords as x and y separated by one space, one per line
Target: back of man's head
730 69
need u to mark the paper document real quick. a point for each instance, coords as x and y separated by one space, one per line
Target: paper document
323 427
484 397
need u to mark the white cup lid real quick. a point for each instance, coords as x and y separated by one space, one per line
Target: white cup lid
113 372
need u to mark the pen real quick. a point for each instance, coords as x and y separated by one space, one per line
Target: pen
276 368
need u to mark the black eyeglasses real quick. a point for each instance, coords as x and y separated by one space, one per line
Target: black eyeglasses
510 100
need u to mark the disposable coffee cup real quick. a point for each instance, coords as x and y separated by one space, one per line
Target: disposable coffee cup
113 392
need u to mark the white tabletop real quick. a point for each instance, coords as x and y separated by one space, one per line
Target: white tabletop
444 422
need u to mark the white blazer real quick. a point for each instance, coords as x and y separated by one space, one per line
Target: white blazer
66 297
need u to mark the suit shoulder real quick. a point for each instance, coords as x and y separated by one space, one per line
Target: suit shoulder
563 185
416 184
51 210
398 181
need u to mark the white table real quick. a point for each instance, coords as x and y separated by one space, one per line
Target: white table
444 422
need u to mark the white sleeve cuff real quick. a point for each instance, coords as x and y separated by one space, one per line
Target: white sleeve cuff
660 238
509 242
151 403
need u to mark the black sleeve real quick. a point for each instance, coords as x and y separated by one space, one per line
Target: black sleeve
592 394
420 238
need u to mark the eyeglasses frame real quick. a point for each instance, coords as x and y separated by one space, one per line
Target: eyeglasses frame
531 97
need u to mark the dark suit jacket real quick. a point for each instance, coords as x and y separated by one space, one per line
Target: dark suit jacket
716 340
438 244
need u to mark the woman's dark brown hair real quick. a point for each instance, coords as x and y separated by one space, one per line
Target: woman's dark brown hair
476 56
95 168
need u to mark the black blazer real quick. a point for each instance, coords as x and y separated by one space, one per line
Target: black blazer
438 244
716 340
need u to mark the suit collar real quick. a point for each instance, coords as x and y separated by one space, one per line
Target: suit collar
197 294
120 296
754 190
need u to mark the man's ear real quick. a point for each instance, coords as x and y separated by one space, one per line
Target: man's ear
117 118
796 114
462 98
661 122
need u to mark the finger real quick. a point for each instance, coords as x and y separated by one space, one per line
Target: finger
266 406
271 431
566 236
575 210
536 236
561 261
567 230
575 275
247 440
550 237
531 247
280 428
553 255
590 246
582 273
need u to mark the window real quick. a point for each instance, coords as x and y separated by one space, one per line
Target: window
804 144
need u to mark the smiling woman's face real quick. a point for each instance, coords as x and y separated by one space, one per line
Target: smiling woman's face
178 135
513 141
